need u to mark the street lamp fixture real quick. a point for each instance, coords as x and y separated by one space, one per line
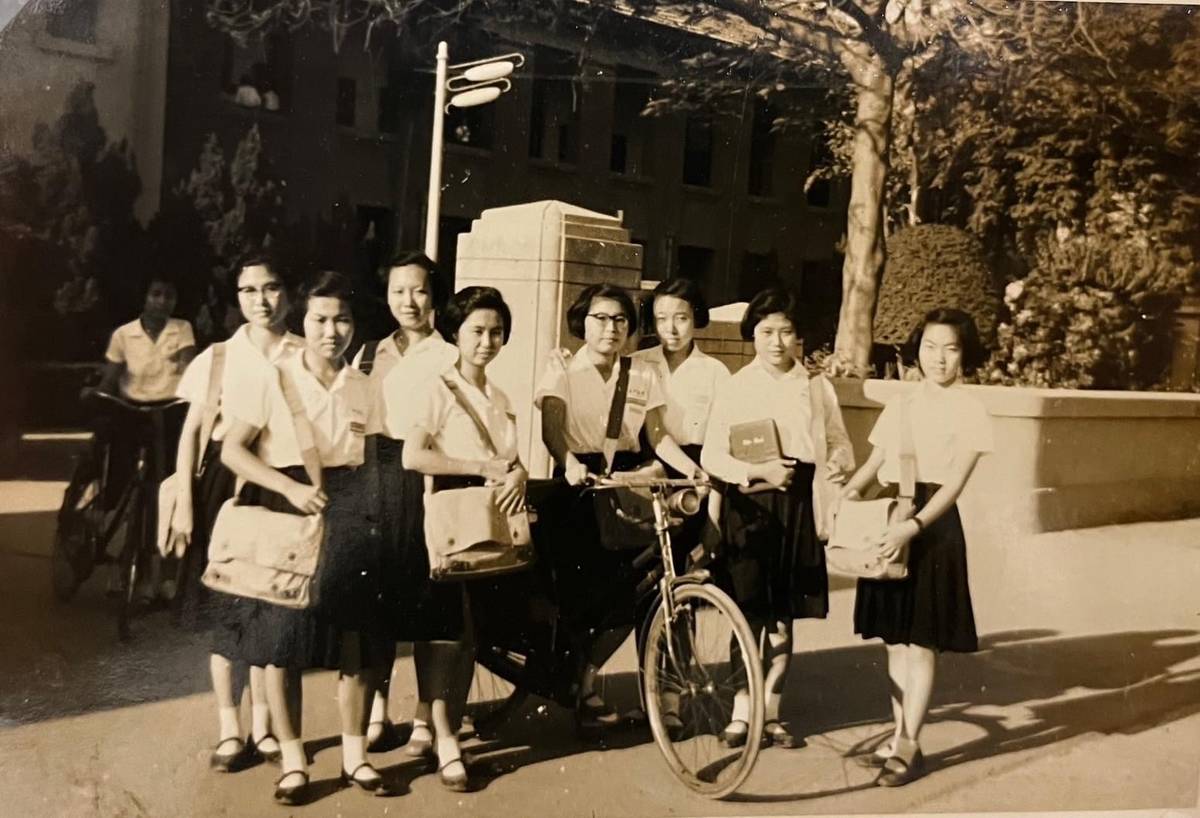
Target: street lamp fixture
472 83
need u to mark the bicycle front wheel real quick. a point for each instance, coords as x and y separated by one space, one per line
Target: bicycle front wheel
693 667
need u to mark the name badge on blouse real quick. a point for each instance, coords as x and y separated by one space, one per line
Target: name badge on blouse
357 427
639 393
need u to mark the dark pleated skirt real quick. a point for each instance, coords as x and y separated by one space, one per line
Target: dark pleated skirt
595 586
932 606
415 608
772 563
266 634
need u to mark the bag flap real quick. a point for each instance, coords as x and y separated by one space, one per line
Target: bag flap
267 538
860 523
459 519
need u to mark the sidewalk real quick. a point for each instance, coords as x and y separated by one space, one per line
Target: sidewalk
1085 696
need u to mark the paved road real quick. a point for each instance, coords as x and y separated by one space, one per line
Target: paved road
1085 696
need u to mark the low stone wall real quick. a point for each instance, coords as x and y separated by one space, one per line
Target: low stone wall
1065 458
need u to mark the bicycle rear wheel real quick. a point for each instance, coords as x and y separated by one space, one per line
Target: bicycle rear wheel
496 691
690 674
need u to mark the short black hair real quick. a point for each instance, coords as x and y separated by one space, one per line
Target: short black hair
769 302
468 300
438 289
262 255
159 275
973 351
685 289
326 284
577 312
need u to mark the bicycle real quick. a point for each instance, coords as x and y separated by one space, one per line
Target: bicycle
86 528
696 651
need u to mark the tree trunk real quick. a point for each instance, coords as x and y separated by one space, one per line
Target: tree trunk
874 86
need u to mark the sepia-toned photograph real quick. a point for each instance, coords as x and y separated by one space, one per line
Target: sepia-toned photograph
599 408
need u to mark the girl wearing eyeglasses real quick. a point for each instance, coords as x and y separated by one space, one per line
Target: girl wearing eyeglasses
597 586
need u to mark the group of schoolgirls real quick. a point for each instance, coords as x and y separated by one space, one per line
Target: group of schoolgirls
404 400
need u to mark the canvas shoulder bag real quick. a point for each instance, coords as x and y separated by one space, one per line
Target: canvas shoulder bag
270 556
854 546
168 489
466 534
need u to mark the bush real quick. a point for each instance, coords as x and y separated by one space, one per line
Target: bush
929 266
1095 313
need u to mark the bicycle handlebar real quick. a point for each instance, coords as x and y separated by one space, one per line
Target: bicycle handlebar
639 482
141 408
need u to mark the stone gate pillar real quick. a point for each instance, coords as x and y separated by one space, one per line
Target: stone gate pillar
540 255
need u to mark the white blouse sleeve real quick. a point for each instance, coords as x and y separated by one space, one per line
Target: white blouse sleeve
116 348
884 432
714 456
655 395
553 383
187 338
430 407
193 386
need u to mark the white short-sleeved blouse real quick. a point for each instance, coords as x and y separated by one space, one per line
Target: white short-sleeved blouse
588 397
755 392
152 365
337 415
689 391
244 366
437 412
945 422
397 375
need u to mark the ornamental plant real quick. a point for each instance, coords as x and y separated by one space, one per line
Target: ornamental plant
1094 313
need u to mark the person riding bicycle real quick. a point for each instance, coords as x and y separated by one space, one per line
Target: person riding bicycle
143 364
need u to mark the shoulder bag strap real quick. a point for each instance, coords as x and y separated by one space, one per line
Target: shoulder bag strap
367 362
466 406
304 430
908 460
816 399
212 402
616 412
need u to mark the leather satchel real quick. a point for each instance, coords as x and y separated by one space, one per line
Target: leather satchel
859 527
467 536
271 556
168 489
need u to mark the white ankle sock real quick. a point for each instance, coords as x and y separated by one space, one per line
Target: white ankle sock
354 752
293 756
422 725
379 709
228 717
260 718
448 751
772 706
741 707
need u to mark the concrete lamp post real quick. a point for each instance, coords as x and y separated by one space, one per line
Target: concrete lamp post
468 84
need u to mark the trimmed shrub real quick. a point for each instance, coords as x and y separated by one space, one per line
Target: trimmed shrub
929 266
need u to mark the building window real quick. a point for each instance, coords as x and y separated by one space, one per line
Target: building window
347 93
762 150
73 20
819 191
695 263
698 152
759 271
632 133
554 113
258 74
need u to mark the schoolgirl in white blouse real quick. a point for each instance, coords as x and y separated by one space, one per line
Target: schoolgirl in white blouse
772 562
930 611
416 609
248 357
597 584
445 443
334 399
